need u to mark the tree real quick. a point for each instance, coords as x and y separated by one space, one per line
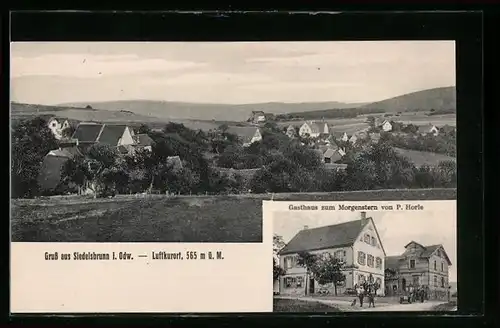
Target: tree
99 170
328 269
308 261
143 129
31 140
371 121
278 244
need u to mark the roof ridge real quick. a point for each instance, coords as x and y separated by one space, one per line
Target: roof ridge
334 225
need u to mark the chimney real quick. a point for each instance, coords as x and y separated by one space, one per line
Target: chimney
306 227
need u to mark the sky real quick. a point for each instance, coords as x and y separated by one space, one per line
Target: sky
436 226
227 72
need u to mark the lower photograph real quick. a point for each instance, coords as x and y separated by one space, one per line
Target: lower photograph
377 256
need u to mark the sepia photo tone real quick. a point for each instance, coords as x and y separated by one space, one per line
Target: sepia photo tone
181 141
387 259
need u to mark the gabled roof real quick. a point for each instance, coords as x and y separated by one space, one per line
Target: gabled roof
333 155
143 140
428 251
87 132
244 133
392 262
427 127
111 134
338 235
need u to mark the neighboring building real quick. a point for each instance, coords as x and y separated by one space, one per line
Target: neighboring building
357 243
386 126
291 132
52 166
143 141
247 135
331 156
113 135
258 117
419 266
313 129
353 139
428 129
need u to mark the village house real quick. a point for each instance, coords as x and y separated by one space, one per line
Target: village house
120 136
313 129
52 166
332 155
143 141
428 129
419 266
386 126
291 132
357 243
247 135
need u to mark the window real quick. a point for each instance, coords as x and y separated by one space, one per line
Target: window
412 264
367 238
435 266
288 282
442 282
416 280
361 258
370 261
435 281
442 267
374 241
300 281
378 262
290 262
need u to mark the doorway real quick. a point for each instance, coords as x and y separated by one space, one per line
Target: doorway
311 286
403 283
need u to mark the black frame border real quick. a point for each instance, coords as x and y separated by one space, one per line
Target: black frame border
464 27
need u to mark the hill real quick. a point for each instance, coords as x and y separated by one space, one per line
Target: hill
439 99
201 111
20 111
23 111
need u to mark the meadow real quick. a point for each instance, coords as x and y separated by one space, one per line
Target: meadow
158 218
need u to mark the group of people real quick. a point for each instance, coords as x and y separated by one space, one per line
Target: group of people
416 294
365 290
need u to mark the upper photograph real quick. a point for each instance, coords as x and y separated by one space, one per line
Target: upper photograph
181 141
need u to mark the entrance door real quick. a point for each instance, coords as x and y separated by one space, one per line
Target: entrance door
403 282
311 286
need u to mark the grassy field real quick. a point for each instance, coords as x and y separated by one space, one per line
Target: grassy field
286 305
419 158
235 218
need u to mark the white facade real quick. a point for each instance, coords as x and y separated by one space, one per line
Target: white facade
127 138
363 258
309 129
387 126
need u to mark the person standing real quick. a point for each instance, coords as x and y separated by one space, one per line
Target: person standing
371 296
422 295
361 295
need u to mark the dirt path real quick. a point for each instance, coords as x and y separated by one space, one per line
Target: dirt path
345 305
